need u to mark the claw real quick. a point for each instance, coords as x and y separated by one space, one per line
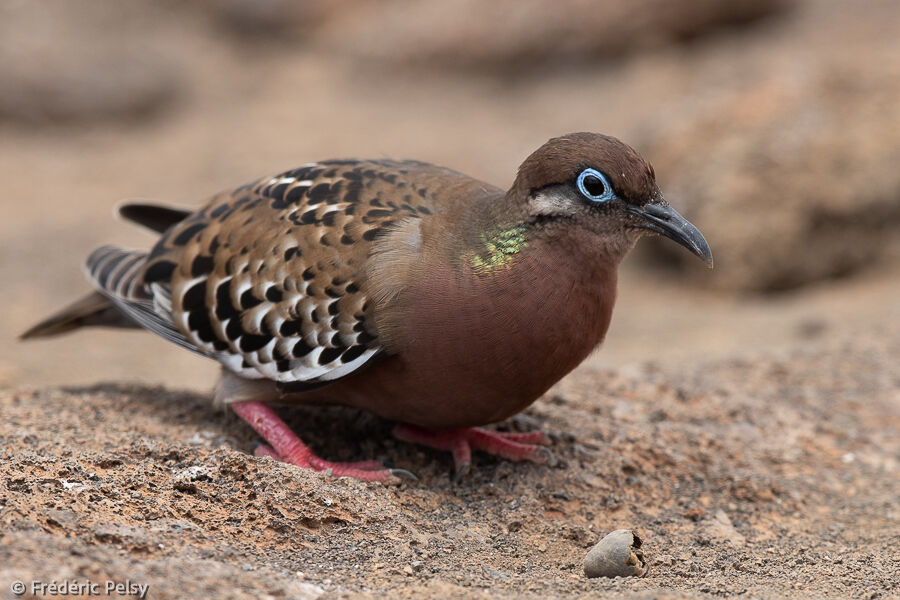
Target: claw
287 447
403 474
461 442
543 456
460 471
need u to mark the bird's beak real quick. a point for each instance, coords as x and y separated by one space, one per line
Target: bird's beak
665 220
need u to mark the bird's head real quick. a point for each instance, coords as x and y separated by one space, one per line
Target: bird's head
599 184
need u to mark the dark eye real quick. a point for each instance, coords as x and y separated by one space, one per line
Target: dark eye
594 186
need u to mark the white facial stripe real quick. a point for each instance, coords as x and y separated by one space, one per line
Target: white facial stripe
550 203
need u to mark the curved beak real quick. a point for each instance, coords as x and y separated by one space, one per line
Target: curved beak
665 220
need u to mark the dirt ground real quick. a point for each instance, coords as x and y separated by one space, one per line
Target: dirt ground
757 477
750 439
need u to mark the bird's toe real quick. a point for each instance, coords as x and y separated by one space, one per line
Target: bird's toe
260 450
543 456
403 474
460 471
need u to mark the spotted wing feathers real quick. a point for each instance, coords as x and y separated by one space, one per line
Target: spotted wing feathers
270 279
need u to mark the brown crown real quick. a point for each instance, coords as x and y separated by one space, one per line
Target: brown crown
561 160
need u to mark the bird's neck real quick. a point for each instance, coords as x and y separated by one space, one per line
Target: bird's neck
555 279
534 302
505 243
495 249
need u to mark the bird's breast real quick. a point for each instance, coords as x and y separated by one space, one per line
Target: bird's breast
474 346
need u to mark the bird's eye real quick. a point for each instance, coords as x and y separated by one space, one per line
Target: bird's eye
594 186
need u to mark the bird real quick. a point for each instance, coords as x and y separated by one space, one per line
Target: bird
408 290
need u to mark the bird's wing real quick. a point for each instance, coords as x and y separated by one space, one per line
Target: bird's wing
115 272
270 279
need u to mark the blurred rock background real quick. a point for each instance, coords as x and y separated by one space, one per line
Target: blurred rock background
773 124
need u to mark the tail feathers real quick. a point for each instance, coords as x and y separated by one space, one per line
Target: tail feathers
121 300
116 271
153 216
95 309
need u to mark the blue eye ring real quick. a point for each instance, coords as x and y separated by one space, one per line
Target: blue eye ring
586 186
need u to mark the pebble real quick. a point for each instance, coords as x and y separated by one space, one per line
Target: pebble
616 555
183 481
720 528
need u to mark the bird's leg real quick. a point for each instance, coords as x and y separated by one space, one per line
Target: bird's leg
262 450
461 442
267 450
287 447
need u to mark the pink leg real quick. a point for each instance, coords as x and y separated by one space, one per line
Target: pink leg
512 446
266 450
287 447
462 458
529 437
367 465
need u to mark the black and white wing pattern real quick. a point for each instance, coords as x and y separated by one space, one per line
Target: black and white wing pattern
270 279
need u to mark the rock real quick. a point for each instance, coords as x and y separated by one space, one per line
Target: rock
789 166
263 20
519 35
616 555
721 528
83 62
116 533
184 481
495 574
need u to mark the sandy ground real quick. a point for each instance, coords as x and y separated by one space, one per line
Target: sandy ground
753 477
751 440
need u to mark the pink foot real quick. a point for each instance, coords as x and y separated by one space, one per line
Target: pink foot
366 465
262 450
461 442
287 447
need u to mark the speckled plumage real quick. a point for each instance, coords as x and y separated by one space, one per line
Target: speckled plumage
269 279
405 289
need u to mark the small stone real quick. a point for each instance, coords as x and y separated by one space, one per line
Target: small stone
616 555
494 574
695 513
665 559
720 528
183 481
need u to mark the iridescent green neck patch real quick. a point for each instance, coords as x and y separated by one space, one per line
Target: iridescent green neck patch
497 250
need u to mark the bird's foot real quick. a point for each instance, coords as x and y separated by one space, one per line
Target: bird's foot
461 442
284 445
261 450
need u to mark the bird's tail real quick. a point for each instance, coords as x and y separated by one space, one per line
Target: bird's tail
106 267
95 309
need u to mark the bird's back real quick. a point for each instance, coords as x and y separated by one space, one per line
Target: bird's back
270 279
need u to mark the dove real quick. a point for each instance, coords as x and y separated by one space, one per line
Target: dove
404 289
